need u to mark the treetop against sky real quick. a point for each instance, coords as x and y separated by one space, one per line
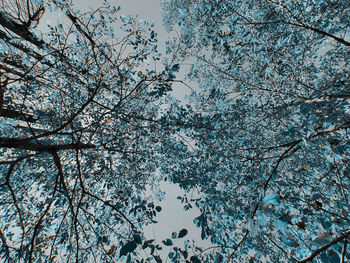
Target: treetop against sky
88 121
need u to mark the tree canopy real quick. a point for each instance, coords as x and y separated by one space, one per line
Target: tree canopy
87 121
80 131
273 98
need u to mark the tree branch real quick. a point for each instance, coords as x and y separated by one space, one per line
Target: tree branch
325 247
113 207
238 245
26 145
19 29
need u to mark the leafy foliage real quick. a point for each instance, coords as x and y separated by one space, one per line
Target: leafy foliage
268 128
265 137
79 132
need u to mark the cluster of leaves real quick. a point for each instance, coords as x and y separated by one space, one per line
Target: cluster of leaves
269 126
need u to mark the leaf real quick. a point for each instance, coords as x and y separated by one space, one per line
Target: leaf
104 239
175 67
153 93
128 248
194 259
182 233
157 258
173 235
186 244
184 253
218 258
147 243
202 234
152 247
167 242
137 238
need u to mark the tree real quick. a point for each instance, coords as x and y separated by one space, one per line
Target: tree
269 127
80 132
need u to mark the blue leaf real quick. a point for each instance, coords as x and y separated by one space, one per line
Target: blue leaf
173 235
127 248
176 67
195 259
182 233
167 242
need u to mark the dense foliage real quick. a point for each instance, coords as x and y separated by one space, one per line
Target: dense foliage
269 126
79 132
86 123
